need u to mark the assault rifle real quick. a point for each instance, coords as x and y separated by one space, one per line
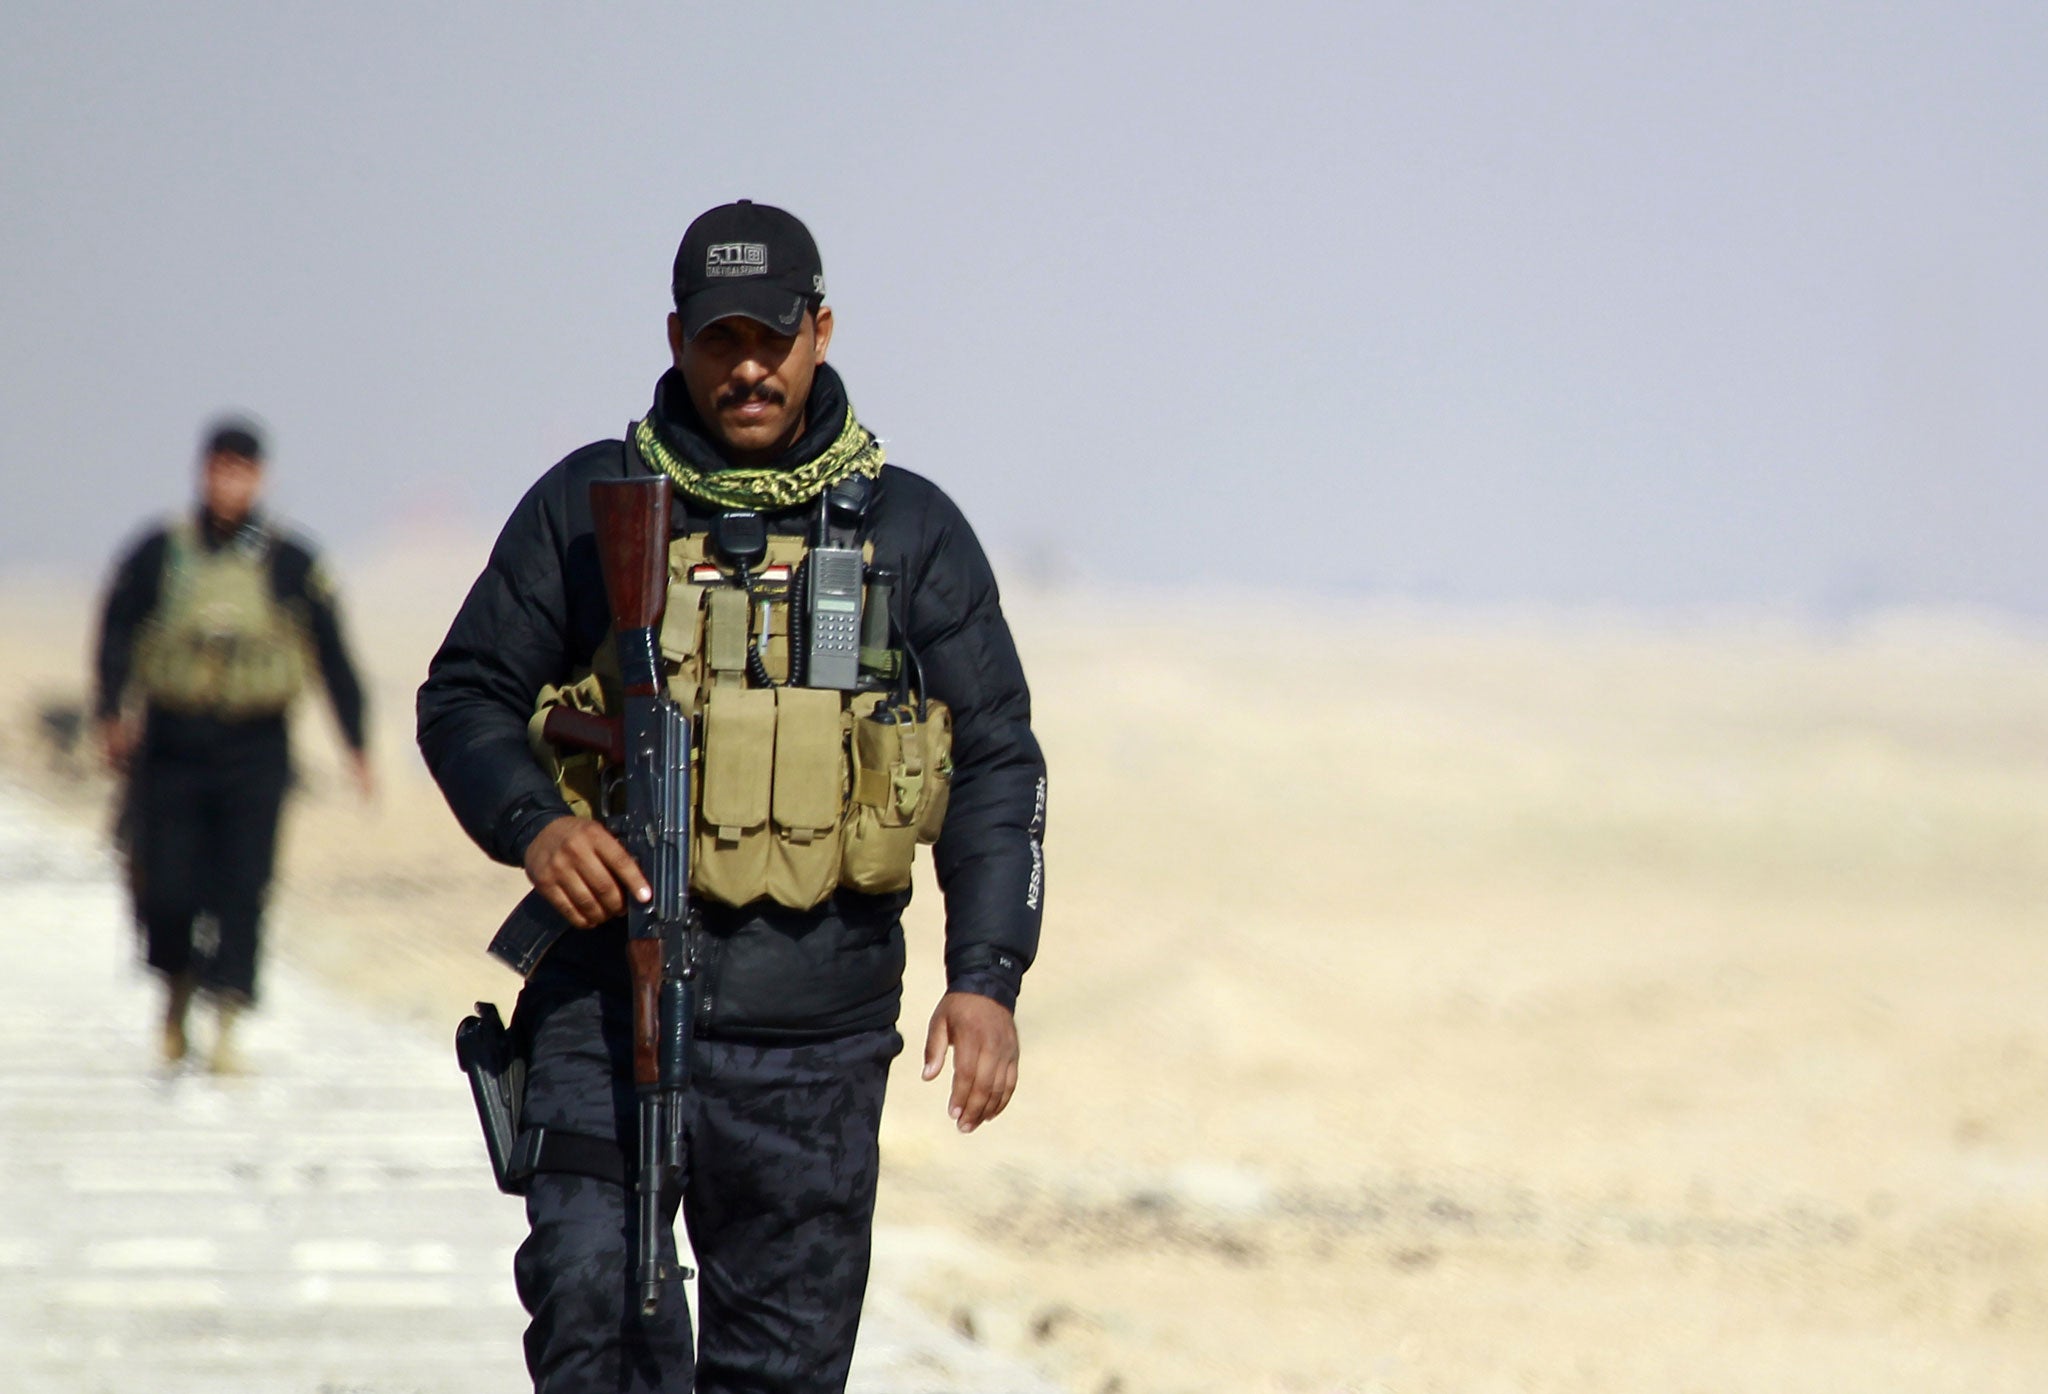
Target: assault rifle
652 789
646 805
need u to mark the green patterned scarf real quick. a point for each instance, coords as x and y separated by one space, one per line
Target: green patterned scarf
856 451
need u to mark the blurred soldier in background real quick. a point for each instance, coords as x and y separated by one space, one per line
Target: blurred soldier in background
209 627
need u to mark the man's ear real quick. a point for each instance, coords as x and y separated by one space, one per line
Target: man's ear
675 337
824 332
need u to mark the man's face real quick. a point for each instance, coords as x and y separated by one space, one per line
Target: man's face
749 383
229 484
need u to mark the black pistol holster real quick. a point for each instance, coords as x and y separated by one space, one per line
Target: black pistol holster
497 1078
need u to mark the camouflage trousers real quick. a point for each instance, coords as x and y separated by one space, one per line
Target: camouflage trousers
778 1202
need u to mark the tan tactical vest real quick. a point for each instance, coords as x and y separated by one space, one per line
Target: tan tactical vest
218 641
796 790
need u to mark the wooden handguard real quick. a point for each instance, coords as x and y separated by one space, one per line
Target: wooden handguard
643 960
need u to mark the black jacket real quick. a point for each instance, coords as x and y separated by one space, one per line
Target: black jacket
299 583
537 614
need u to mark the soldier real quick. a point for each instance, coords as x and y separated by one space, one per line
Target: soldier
802 843
204 642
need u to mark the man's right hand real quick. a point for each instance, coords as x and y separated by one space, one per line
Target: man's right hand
583 871
118 737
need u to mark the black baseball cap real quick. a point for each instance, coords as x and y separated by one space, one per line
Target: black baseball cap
234 435
746 258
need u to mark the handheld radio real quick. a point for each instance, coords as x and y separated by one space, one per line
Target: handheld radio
832 618
832 597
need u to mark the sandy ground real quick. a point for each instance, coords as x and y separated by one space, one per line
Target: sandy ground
1433 1003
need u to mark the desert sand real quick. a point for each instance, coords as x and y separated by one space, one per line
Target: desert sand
1428 1001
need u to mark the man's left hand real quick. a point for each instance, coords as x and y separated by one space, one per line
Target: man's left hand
363 774
982 1033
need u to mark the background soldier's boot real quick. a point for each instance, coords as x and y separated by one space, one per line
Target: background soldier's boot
177 998
226 1058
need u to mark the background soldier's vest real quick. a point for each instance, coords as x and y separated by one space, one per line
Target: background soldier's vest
797 790
218 641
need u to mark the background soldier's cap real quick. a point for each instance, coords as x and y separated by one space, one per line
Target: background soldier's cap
234 435
746 258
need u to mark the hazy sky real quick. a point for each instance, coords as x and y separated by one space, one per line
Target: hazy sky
1641 303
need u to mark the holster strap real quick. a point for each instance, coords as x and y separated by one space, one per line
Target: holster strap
575 1154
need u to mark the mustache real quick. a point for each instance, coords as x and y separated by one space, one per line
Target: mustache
739 396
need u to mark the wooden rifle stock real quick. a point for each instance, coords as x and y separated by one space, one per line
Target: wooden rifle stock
630 517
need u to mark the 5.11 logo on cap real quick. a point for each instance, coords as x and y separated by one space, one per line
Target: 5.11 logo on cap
736 259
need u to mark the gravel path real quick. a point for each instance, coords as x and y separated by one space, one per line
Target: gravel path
325 1225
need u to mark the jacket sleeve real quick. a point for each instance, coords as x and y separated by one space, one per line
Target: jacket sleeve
301 581
990 854
131 596
511 636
